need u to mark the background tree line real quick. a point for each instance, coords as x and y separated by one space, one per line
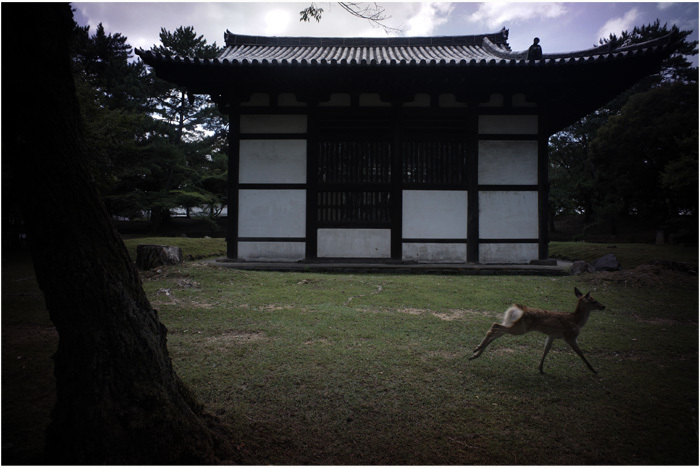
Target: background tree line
154 148
634 161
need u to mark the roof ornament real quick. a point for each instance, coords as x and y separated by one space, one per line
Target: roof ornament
535 50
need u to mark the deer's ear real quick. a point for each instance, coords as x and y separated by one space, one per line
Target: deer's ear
577 292
588 295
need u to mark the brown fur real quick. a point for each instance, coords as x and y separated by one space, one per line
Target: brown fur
520 319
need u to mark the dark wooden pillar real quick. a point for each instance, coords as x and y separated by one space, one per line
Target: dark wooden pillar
233 169
311 181
396 185
543 195
473 184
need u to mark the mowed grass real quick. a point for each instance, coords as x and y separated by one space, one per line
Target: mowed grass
373 369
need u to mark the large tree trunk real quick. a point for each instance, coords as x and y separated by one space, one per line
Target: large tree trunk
119 400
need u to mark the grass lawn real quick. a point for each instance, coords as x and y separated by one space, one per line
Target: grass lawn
372 369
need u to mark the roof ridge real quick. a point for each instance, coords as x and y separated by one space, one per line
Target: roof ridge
231 39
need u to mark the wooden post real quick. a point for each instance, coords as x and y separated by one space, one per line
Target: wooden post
396 186
233 169
473 186
311 181
543 195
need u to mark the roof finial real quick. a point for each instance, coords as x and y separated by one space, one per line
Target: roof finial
535 51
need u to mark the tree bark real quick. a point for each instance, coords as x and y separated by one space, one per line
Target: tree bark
119 400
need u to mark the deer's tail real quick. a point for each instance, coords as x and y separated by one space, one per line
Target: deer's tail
512 315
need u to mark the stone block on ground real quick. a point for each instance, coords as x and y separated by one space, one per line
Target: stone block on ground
151 256
581 267
607 263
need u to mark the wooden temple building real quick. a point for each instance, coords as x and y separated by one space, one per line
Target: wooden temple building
410 149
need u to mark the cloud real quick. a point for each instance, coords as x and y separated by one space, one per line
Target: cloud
429 16
617 25
276 22
497 14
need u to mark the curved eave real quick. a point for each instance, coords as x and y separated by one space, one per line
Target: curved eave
155 60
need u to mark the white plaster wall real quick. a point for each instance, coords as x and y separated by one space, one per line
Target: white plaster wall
289 100
434 214
337 100
508 124
507 162
271 251
272 162
495 100
419 100
257 99
520 100
372 100
354 243
434 253
508 215
272 213
273 124
450 100
508 253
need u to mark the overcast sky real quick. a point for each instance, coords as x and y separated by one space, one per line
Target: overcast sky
561 27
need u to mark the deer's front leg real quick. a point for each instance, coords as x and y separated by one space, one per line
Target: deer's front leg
494 332
547 347
574 345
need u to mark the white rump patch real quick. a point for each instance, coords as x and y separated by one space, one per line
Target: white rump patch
511 316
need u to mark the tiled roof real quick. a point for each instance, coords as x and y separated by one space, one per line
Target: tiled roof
484 49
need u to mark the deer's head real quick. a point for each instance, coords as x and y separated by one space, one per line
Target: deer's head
588 300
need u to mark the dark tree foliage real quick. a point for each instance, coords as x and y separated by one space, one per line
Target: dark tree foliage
677 67
119 400
151 148
646 150
631 158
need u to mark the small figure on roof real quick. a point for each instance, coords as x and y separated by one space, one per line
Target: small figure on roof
535 51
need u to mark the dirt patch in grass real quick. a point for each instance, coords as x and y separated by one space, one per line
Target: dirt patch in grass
236 337
318 341
458 314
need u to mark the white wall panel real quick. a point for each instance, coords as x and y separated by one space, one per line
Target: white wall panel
272 161
272 213
337 100
257 100
508 253
450 100
495 100
508 215
507 162
271 251
354 243
434 214
289 100
273 124
508 124
434 253
372 100
419 100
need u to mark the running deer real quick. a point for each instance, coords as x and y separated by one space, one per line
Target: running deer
519 320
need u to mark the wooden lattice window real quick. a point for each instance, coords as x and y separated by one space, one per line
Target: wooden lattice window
431 162
353 182
354 162
354 208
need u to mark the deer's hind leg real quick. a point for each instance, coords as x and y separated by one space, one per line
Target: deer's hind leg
497 330
547 347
